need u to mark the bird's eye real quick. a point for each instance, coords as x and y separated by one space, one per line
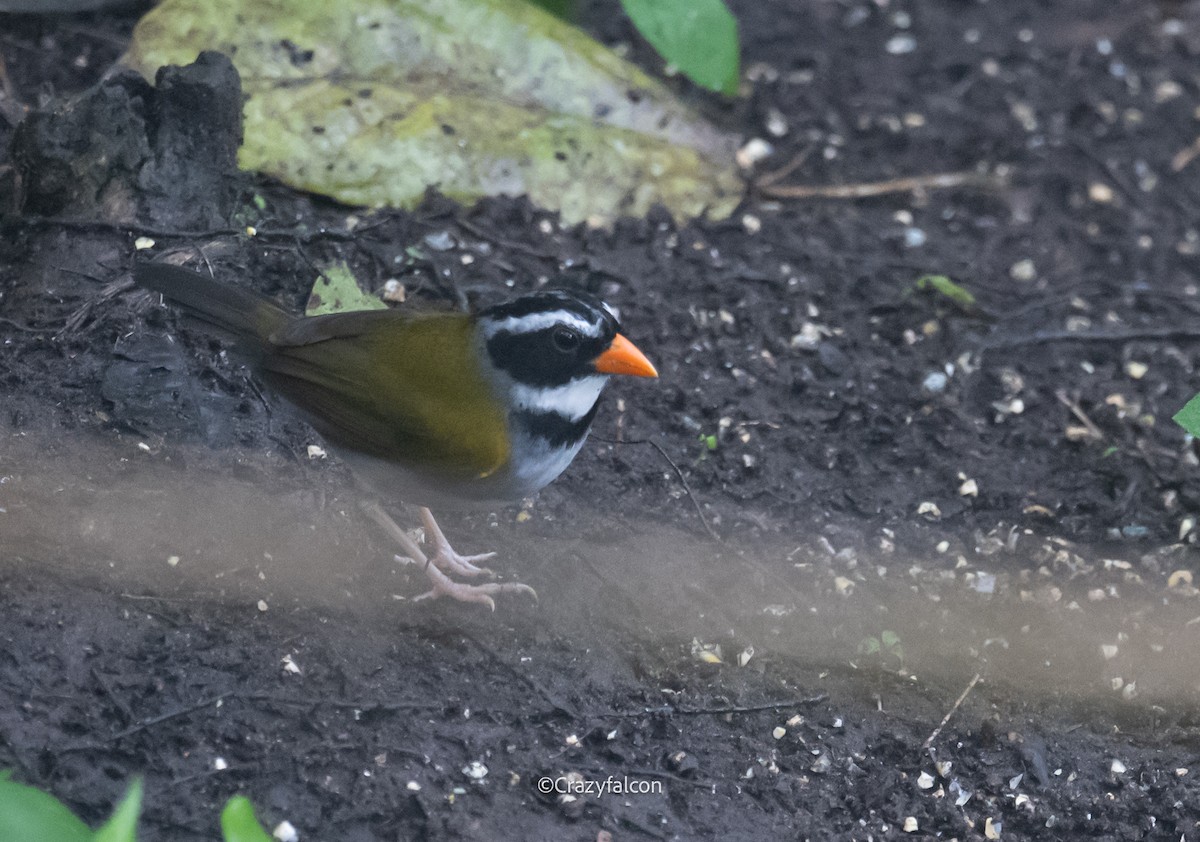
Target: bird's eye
565 339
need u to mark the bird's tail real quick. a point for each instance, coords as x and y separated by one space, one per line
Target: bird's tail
247 317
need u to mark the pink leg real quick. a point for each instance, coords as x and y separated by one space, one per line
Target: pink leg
445 560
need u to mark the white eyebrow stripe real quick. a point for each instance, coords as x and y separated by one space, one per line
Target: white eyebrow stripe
533 322
572 400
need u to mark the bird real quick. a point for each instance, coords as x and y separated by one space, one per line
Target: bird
438 409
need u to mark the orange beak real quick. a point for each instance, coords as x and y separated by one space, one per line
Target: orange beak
623 357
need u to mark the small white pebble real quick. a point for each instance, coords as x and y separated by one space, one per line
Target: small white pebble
755 150
1023 270
173 560
1167 91
413 786
925 780
751 223
220 764
143 243
1118 768
284 832
1136 370
935 382
475 770
1109 651
901 44
394 291
777 125
970 488
779 733
910 824
316 452
262 605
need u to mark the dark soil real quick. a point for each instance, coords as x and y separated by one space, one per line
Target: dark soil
188 596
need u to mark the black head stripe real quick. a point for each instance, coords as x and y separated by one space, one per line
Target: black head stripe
581 304
520 336
532 359
555 429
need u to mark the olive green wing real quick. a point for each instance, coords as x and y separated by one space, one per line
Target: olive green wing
403 388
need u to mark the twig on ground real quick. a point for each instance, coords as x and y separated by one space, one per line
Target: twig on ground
1132 335
496 239
962 697
724 709
524 678
775 176
175 714
118 702
935 181
712 533
343 704
347 234
1076 410
26 328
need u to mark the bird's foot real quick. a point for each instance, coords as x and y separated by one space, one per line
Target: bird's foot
443 585
448 561
445 558
443 561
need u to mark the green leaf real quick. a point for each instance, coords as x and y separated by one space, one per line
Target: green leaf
709 441
868 645
889 639
1189 416
700 37
122 826
944 286
27 813
239 824
371 102
336 291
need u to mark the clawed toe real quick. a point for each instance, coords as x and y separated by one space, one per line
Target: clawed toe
449 561
443 561
443 585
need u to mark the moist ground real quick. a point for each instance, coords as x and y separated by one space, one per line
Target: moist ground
999 485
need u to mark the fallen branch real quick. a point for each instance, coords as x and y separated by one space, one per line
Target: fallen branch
1076 410
712 533
726 709
1054 336
158 720
957 704
935 181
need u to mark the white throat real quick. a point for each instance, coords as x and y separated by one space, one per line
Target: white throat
572 400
